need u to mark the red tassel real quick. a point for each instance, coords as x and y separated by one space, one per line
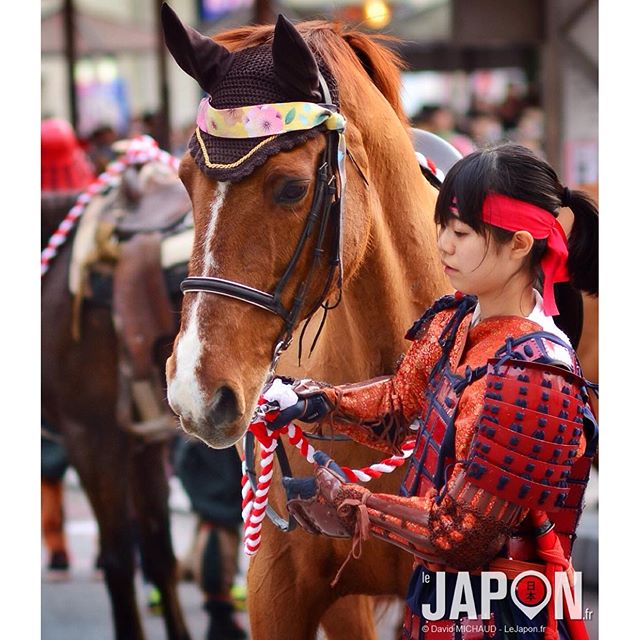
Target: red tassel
550 550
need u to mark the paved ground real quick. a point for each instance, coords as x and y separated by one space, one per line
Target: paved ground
79 608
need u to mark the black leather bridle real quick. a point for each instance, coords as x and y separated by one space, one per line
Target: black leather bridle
324 214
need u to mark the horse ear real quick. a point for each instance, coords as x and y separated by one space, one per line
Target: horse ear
204 60
294 65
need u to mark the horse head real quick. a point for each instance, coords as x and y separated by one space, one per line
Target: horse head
272 239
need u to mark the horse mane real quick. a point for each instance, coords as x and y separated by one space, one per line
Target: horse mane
341 48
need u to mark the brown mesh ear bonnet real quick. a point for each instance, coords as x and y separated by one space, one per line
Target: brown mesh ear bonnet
283 71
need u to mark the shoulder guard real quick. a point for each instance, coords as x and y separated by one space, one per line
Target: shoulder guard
458 301
528 437
540 346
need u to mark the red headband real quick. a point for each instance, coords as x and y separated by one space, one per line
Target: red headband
516 215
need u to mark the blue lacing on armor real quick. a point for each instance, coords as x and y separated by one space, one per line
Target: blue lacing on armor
419 463
447 447
508 350
447 338
447 451
445 302
510 353
594 387
470 375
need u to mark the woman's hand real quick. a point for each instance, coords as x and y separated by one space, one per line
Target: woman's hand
310 507
312 405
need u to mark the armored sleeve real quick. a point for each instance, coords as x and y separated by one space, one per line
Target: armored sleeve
378 412
518 434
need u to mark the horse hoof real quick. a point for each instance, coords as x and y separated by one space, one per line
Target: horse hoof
222 624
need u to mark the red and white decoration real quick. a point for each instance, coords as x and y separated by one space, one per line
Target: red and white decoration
139 150
254 504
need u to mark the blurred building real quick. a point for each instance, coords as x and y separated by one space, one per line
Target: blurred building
117 75
485 60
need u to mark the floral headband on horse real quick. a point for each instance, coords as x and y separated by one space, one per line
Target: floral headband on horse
261 121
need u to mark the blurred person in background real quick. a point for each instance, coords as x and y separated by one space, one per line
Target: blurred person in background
211 479
485 129
440 120
151 124
100 147
511 108
53 466
529 131
480 106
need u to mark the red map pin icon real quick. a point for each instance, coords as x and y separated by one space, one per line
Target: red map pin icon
530 592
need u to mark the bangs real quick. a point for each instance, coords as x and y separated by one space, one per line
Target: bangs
464 190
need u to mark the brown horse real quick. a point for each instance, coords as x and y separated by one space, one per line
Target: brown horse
392 272
123 476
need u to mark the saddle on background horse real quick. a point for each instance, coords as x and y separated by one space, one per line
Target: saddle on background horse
130 252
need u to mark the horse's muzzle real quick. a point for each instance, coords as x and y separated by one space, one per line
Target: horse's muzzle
222 424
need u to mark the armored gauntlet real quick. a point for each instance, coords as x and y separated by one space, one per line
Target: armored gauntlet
311 509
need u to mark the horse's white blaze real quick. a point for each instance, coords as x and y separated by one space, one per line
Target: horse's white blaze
210 262
185 393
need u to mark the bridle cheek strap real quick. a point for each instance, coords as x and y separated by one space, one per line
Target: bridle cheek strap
258 121
516 215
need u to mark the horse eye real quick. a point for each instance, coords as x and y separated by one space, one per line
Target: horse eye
291 191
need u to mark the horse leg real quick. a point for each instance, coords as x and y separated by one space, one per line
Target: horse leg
52 519
151 500
106 488
290 579
272 583
350 617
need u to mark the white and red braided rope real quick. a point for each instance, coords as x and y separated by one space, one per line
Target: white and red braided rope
140 150
254 504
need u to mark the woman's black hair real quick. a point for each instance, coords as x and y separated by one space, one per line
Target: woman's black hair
515 171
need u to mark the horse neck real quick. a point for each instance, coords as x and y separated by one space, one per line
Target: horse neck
399 277
57 302
401 201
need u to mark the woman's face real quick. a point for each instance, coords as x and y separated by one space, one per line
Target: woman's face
474 264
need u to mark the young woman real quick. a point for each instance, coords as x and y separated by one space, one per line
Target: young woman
492 392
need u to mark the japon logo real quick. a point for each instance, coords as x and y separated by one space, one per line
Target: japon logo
530 591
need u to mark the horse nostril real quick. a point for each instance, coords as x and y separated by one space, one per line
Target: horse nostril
224 407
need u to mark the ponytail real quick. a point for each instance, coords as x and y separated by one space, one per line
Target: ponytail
583 241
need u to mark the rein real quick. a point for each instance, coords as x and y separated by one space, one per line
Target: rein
255 489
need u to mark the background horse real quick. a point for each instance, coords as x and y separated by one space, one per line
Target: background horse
123 476
392 272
